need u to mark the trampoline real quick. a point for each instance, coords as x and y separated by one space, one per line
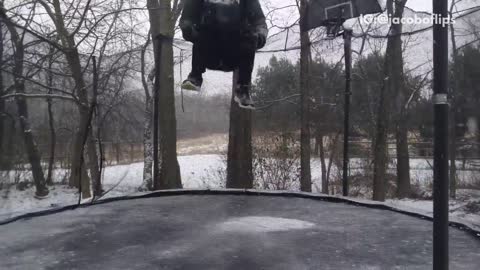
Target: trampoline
227 230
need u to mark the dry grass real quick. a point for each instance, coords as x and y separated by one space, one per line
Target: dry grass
211 144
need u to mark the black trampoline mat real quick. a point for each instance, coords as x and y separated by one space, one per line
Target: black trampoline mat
228 232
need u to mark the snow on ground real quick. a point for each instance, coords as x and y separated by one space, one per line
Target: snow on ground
205 171
261 224
464 209
212 144
196 171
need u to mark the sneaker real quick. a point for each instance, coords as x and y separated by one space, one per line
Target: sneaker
243 99
193 83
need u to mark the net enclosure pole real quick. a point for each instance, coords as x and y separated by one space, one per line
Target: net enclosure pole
347 36
156 93
441 108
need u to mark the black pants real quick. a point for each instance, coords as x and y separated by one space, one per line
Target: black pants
225 52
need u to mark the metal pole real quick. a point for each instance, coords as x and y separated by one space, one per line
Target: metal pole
441 108
156 93
347 36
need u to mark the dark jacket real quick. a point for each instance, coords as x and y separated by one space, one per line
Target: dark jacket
192 17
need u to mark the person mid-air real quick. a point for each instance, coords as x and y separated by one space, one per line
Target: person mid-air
225 36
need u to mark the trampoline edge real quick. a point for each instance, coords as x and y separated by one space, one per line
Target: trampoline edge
245 192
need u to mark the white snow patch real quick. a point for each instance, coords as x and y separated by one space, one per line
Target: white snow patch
197 173
172 252
261 224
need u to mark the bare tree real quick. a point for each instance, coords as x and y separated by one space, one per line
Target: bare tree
22 107
51 120
399 90
393 84
2 101
93 29
453 107
240 153
305 55
78 177
163 15
147 183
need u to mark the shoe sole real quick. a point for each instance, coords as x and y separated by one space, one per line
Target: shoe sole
190 87
248 107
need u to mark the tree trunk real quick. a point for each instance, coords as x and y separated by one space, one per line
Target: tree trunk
51 122
380 159
453 152
333 149
305 148
77 162
22 108
9 142
93 164
393 85
9 145
73 59
239 160
316 150
147 183
2 103
162 22
478 136
403 158
323 164
30 145
53 141
453 112
398 88
147 147
2 127
93 160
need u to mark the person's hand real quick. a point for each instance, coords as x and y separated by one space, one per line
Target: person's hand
189 31
261 41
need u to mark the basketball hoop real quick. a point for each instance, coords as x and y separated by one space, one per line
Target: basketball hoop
334 27
333 13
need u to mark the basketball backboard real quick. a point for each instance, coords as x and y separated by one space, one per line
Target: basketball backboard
326 12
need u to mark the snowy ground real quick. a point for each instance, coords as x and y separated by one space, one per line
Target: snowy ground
204 171
121 180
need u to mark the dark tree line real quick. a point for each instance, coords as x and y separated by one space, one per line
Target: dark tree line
277 88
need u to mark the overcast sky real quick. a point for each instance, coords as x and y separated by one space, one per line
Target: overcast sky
420 5
419 50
